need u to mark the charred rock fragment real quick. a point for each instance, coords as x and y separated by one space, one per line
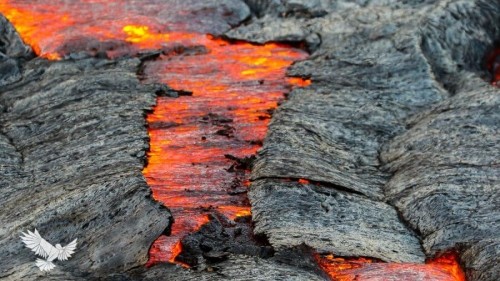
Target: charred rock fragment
219 238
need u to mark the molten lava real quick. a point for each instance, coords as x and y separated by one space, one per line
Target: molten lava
441 268
114 28
233 88
493 65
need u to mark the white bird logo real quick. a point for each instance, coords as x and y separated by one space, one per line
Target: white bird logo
44 249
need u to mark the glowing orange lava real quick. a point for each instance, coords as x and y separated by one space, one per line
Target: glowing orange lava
304 181
114 28
234 87
493 65
442 268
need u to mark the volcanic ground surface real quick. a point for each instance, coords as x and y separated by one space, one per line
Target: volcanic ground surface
383 156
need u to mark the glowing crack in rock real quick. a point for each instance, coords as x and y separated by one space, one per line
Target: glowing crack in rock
234 87
442 268
493 65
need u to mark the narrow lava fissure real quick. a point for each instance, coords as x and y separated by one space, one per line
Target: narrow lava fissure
492 64
444 267
217 129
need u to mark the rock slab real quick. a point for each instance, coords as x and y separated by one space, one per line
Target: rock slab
399 111
73 142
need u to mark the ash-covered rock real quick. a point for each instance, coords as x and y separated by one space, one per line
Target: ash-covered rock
11 44
446 179
236 267
12 53
76 141
481 260
316 123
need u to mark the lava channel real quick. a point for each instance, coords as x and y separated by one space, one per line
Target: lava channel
442 268
195 138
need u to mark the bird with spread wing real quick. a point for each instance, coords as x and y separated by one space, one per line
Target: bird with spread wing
41 247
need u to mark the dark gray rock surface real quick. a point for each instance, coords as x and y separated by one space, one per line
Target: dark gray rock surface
446 179
236 267
73 142
330 220
481 260
399 111
12 53
76 147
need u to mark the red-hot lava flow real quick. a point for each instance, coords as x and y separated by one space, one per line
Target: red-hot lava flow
223 115
441 268
493 65
111 27
234 87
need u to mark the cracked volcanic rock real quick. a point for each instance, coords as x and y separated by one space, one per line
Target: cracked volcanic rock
399 111
72 144
236 267
330 220
398 134
72 147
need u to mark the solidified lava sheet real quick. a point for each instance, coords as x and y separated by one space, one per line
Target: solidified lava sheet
262 140
408 125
